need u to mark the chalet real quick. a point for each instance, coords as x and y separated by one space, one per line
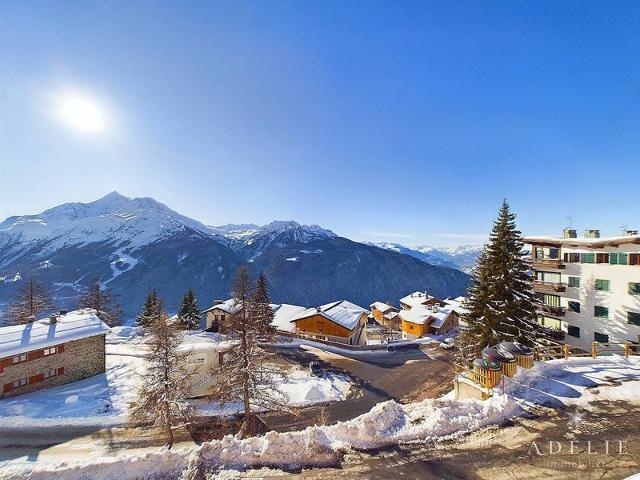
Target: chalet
427 319
46 353
419 299
217 314
202 352
342 322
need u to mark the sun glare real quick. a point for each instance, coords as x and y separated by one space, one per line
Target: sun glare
81 113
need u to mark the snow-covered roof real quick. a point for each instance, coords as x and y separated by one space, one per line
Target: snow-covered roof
341 312
416 298
383 307
583 242
74 325
422 314
457 304
228 306
197 341
283 314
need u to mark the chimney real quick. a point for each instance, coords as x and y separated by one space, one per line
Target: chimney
217 302
569 233
318 309
629 233
63 312
53 319
434 308
592 233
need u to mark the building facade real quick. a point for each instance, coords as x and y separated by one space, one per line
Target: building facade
341 322
51 352
589 287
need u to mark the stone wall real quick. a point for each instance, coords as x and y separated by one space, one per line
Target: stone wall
80 359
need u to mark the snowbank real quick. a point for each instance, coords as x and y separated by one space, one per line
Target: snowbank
556 383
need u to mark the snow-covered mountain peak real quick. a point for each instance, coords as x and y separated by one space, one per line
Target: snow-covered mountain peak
310 232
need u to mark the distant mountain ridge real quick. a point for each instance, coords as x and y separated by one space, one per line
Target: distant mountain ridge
134 245
463 257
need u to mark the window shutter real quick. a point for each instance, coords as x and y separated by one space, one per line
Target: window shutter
36 378
61 371
61 348
7 387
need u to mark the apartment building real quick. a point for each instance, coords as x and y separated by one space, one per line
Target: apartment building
589 286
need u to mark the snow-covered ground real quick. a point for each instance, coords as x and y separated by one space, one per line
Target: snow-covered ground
103 400
558 383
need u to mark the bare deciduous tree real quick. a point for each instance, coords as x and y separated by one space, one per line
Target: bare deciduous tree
161 396
246 376
31 301
98 299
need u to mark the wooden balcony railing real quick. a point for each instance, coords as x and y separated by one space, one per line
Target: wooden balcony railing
547 263
549 286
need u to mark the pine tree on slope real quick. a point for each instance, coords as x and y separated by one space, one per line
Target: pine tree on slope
102 302
261 309
150 310
31 301
501 301
161 396
189 312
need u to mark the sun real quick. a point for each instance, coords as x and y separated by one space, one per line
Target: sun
81 112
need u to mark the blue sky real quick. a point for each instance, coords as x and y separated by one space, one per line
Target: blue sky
395 121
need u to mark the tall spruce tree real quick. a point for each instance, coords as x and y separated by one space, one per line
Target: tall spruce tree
261 308
189 312
501 301
150 310
31 301
100 300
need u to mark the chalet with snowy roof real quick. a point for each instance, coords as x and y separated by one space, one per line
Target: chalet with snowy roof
384 314
50 352
458 305
432 319
419 298
341 321
219 313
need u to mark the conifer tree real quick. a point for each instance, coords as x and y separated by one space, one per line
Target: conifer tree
149 311
100 300
189 312
31 301
165 386
501 301
261 308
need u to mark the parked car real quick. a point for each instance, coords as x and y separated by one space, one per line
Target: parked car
315 369
448 343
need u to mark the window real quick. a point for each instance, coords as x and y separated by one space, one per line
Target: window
19 383
587 258
49 351
50 373
573 331
602 285
633 318
572 257
222 318
618 258
602 258
634 288
574 307
23 357
600 312
634 259
554 253
574 282
601 337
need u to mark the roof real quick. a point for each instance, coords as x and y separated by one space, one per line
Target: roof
422 314
74 325
283 314
583 242
457 304
416 298
342 312
383 307
228 306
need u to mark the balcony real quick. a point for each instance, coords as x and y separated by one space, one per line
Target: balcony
547 263
558 312
549 287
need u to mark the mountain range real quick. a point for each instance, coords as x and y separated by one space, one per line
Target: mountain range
133 245
463 257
